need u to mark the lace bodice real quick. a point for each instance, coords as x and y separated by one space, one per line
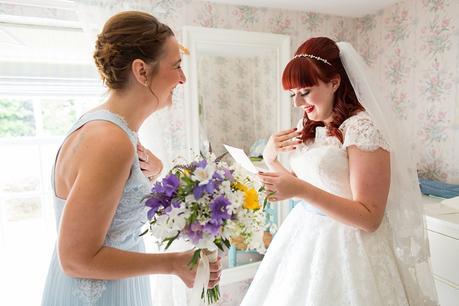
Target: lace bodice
324 162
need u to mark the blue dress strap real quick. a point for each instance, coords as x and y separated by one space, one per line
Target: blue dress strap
105 115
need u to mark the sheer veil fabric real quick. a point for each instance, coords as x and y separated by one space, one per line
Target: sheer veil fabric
404 211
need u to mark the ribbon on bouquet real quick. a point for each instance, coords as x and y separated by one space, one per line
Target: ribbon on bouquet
202 276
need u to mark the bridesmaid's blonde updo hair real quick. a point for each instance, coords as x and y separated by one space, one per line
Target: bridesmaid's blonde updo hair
125 37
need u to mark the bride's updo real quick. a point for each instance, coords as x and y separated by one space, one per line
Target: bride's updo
125 37
305 71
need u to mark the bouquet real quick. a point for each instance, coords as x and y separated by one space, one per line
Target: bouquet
209 204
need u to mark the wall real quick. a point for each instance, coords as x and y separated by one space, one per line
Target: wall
412 46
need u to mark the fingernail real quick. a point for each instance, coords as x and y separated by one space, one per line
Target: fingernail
295 129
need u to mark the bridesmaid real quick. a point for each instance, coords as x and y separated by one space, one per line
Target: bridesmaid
99 258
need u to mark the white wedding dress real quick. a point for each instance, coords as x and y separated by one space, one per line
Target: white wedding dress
315 260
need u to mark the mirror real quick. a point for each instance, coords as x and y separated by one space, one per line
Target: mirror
233 93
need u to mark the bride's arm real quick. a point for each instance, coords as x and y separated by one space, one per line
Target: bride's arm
369 181
276 166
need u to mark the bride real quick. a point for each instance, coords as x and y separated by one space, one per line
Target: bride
357 236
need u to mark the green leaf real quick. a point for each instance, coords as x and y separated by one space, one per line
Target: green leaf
227 243
218 243
195 259
146 231
265 202
170 240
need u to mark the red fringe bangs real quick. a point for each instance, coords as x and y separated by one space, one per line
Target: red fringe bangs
300 73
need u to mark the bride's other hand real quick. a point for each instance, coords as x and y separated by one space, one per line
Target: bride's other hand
150 165
283 141
281 186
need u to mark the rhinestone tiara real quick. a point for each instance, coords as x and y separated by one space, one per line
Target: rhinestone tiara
312 56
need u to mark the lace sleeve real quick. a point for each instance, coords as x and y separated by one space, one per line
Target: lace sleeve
362 132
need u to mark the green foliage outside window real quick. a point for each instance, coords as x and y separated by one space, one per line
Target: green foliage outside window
16 118
58 116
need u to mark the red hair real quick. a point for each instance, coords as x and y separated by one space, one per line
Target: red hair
306 72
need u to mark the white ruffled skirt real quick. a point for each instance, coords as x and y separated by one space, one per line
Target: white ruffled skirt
314 260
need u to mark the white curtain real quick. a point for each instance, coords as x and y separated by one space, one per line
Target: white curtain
157 133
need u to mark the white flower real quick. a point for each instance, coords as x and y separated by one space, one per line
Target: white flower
207 242
190 198
204 175
162 232
177 218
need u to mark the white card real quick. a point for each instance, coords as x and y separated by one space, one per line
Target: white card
241 158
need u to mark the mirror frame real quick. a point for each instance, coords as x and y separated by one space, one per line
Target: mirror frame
194 38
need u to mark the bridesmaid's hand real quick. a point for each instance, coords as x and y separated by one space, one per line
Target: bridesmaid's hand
281 185
181 269
150 165
281 142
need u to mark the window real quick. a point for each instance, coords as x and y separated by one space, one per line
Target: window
47 80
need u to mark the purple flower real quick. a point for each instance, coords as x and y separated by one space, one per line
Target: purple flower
198 191
160 200
157 188
217 177
228 175
175 203
171 184
219 209
194 232
212 227
210 187
154 204
202 164
151 213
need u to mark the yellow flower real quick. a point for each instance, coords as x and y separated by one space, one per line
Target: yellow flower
240 186
250 196
186 172
251 199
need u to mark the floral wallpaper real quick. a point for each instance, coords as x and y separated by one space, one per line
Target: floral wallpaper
413 49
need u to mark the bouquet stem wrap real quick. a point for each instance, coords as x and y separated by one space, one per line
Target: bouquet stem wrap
202 279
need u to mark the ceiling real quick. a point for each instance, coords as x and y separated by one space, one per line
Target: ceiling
349 8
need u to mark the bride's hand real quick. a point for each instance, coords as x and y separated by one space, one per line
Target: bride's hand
281 142
281 186
150 165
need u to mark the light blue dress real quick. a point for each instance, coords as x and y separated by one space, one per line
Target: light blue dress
62 290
